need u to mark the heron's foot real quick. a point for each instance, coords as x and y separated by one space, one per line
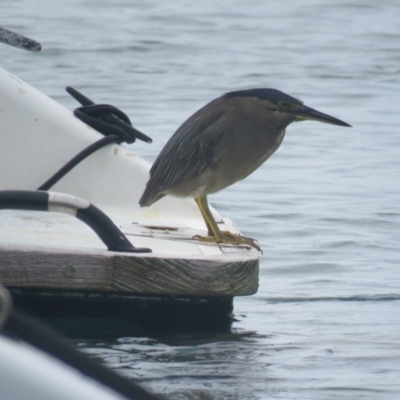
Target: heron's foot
229 238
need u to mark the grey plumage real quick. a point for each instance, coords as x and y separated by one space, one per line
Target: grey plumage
224 142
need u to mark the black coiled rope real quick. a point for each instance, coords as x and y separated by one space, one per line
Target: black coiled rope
107 119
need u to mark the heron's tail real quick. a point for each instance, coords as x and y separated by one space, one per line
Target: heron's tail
149 197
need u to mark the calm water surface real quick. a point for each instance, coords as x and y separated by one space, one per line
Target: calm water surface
325 323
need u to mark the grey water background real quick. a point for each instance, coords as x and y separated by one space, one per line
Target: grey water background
325 323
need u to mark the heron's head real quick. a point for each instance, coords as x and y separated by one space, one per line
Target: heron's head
277 101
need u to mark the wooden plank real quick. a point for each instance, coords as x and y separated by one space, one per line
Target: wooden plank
134 273
58 270
194 277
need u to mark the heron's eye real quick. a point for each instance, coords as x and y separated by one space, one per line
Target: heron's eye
284 104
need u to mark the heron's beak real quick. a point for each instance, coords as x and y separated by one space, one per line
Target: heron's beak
304 113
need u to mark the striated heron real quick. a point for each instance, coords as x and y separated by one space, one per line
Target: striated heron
222 143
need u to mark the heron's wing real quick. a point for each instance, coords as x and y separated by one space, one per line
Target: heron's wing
189 152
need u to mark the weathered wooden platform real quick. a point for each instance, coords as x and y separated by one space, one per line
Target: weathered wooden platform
47 257
130 273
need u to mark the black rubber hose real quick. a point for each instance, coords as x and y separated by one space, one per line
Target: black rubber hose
77 159
92 216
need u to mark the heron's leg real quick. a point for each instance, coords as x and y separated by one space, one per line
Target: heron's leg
213 229
208 217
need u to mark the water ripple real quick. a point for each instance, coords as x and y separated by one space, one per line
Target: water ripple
325 208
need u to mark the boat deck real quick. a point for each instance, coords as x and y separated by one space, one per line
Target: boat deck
54 256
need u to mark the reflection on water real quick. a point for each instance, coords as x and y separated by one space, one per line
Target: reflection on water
325 208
